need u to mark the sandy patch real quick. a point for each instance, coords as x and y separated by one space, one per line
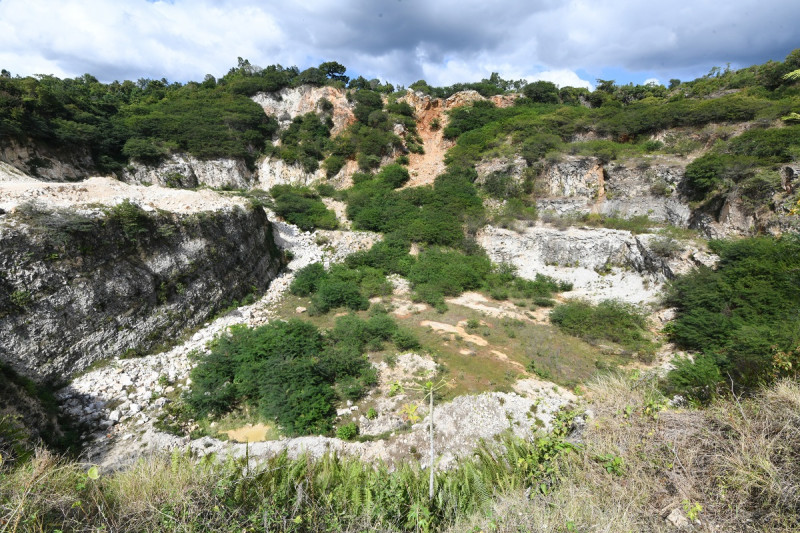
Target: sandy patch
479 302
249 433
458 330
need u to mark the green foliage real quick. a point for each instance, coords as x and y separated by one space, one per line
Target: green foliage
347 431
131 218
306 280
342 286
607 321
696 378
438 273
302 206
305 142
404 339
286 370
543 92
206 123
433 215
743 310
393 175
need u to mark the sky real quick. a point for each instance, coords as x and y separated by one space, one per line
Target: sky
568 42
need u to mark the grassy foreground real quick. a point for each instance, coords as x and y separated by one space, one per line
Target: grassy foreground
731 467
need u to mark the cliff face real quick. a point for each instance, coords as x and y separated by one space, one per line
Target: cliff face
292 102
79 286
46 163
186 171
601 263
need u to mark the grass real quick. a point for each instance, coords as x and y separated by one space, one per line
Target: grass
568 360
731 467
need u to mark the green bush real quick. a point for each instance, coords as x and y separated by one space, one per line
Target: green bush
302 207
696 379
306 281
393 175
607 321
131 218
287 370
347 431
744 310
334 292
405 340
433 215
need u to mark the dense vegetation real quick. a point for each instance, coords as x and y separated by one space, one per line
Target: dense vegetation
291 372
431 215
436 273
302 207
743 316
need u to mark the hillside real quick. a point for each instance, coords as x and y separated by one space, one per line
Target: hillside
233 303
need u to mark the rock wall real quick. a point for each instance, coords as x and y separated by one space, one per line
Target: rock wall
272 171
601 263
48 164
292 102
580 185
77 287
187 171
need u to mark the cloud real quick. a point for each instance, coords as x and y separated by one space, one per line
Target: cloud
401 41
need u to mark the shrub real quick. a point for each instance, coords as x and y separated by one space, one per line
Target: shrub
609 320
393 175
744 310
405 340
347 431
302 207
132 219
307 279
333 164
287 370
333 292
695 378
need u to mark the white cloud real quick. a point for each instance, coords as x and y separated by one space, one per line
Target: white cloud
443 41
562 78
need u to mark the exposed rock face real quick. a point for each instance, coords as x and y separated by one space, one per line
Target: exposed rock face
272 171
80 286
186 171
601 263
46 163
580 185
292 102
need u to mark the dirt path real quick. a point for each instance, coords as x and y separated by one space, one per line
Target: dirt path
108 191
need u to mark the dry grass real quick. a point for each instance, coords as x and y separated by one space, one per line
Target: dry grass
739 460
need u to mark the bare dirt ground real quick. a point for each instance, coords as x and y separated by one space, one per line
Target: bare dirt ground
424 168
108 191
249 433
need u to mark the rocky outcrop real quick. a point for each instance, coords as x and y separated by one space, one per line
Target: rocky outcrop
81 285
274 171
601 263
48 164
580 185
186 171
292 102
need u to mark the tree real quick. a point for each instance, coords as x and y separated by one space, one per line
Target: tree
334 71
545 92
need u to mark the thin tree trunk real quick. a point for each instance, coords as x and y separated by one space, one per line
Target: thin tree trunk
430 484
